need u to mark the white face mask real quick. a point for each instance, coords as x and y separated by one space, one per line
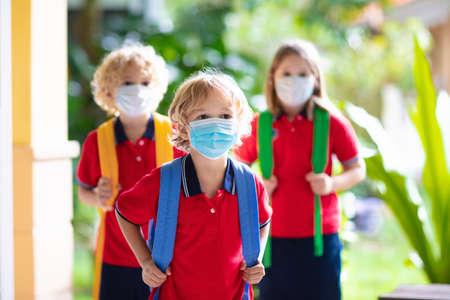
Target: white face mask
136 100
294 90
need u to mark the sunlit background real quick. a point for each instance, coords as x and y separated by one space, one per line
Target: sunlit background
368 53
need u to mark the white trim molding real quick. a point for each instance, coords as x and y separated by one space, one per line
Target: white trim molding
6 191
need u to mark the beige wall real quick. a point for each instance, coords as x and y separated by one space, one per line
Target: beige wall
440 55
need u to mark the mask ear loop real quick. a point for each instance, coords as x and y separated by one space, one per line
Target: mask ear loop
276 103
310 108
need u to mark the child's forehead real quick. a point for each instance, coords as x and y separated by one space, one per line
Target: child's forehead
214 98
219 96
135 65
293 59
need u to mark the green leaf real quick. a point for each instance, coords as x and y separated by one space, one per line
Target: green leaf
375 130
436 178
396 192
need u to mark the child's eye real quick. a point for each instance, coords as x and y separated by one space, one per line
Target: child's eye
302 74
287 74
145 83
127 83
203 116
226 116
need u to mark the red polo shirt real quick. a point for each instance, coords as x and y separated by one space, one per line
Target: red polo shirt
293 199
135 160
208 247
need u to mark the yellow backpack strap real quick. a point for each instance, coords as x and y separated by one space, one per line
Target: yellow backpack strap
110 169
109 164
163 132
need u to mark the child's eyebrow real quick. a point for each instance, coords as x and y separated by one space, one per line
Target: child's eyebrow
227 110
201 110
196 110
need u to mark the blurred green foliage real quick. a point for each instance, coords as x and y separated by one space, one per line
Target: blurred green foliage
240 38
376 265
358 60
195 42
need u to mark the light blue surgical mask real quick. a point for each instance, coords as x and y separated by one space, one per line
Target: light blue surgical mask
213 137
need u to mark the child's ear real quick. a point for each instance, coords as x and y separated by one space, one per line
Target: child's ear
316 84
271 78
316 88
110 95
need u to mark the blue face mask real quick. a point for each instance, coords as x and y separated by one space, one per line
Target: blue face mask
213 137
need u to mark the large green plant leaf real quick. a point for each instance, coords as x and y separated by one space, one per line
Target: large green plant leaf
436 178
401 198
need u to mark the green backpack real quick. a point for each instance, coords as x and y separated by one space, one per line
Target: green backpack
319 161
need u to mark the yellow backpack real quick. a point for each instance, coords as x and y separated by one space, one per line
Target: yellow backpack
110 169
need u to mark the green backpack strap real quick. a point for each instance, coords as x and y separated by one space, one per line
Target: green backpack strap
265 151
265 154
319 162
267 258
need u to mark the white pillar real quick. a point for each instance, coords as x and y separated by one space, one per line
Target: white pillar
42 168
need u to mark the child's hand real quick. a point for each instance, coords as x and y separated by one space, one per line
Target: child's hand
254 274
103 192
270 184
152 275
321 184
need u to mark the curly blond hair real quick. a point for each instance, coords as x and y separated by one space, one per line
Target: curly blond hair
108 75
194 91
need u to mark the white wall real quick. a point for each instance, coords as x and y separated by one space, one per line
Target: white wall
6 199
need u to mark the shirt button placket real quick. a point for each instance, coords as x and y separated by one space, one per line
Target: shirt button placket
214 222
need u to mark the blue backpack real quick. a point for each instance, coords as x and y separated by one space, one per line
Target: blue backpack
162 236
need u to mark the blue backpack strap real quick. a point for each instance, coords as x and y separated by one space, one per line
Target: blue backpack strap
166 220
151 233
169 197
248 216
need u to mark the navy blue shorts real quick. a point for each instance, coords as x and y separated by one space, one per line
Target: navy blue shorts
297 274
119 282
